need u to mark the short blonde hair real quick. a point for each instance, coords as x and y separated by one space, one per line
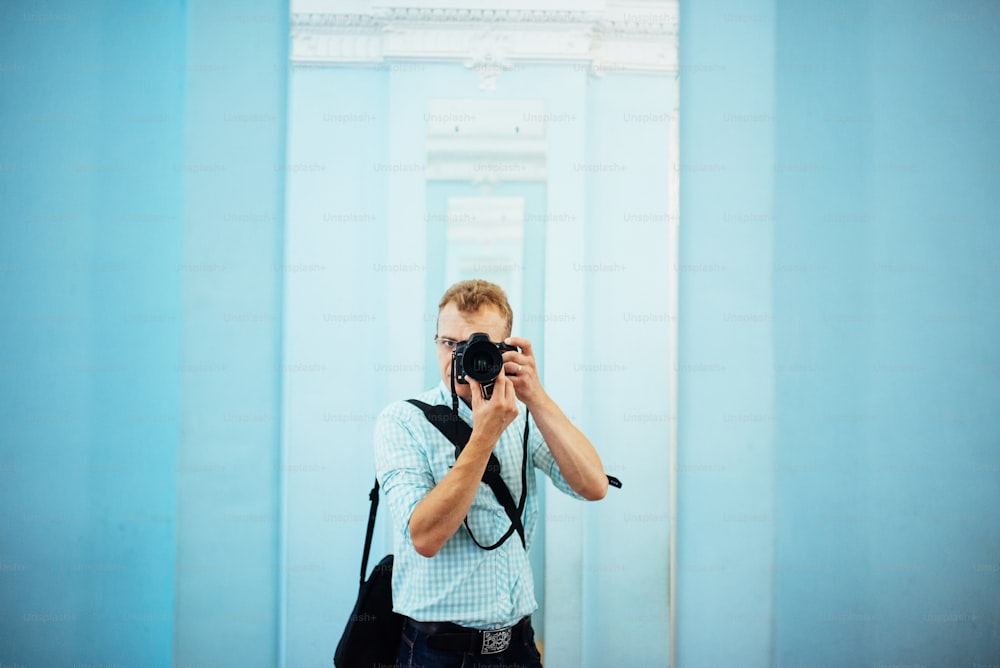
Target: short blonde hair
470 296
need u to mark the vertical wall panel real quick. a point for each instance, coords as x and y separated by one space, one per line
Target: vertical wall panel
885 478
934 477
565 245
227 609
725 511
334 345
822 288
884 547
91 122
624 371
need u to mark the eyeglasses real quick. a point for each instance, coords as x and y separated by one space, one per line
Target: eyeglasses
447 344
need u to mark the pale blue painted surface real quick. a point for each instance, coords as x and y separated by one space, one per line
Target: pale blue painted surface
869 251
625 369
725 387
388 255
91 129
887 542
838 424
228 584
336 343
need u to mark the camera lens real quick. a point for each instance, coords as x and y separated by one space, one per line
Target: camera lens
482 361
484 364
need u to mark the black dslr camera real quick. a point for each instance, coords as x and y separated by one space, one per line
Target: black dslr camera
480 359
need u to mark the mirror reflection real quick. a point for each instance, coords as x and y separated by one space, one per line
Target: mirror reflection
549 175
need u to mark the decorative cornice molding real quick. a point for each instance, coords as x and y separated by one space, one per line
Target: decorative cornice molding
320 21
499 15
490 41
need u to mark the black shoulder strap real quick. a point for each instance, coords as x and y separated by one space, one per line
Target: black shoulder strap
445 420
457 430
373 495
454 428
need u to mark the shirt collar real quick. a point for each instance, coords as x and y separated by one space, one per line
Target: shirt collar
444 399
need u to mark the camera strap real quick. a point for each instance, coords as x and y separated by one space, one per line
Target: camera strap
373 496
457 430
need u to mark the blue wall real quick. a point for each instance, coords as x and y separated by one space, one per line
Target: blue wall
896 516
142 195
838 421
229 569
91 133
725 544
822 282
335 329
626 404
870 235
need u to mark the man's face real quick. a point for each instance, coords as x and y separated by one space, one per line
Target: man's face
454 325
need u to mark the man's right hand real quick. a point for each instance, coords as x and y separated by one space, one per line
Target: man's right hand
439 515
491 417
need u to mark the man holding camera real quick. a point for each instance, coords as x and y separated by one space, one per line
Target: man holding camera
462 577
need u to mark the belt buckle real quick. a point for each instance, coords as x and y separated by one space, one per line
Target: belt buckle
497 641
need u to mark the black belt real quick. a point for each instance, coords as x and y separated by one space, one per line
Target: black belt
450 637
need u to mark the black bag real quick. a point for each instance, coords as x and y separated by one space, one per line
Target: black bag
371 637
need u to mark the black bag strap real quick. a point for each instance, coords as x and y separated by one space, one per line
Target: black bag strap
459 432
373 495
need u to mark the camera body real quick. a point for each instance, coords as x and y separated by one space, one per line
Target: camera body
479 359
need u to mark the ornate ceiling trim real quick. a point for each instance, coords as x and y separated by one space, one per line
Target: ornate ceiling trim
490 41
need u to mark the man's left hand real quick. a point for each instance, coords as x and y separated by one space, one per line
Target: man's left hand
520 367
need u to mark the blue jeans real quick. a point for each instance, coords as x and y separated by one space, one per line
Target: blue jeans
414 653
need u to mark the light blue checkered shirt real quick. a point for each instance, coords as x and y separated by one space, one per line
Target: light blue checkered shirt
461 583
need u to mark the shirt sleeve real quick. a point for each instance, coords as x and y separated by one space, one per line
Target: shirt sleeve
401 465
542 458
